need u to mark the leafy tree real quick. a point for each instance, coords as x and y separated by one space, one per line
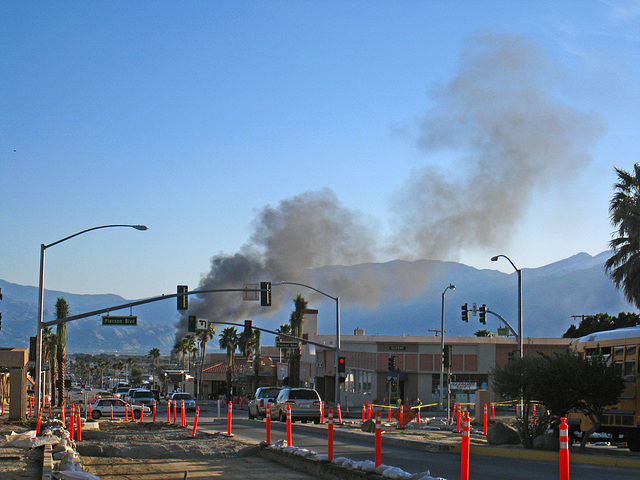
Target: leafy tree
624 265
62 311
296 320
601 322
515 380
154 356
601 387
562 382
136 375
229 342
483 333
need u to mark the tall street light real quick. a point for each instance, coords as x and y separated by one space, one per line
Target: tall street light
337 351
450 287
43 247
520 342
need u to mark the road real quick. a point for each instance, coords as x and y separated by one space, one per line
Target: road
439 464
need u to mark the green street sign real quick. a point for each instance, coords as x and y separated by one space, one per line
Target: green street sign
120 320
287 344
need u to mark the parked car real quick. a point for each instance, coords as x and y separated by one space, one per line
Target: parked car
142 397
304 403
189 401
264 396
127 396
102 408
121 391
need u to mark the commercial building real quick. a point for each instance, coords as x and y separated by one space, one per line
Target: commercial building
381 369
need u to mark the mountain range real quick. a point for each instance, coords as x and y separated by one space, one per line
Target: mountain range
554 296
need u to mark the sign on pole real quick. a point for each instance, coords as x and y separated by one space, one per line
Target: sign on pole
251 296
287 344
120 320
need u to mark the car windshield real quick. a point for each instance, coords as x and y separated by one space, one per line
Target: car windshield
268 393
141 394
182 396
303 395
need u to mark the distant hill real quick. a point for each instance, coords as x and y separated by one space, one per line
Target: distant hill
551 295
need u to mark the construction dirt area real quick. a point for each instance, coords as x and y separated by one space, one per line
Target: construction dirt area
126 450
134 450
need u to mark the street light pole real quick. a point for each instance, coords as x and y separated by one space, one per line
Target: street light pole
43 247
337 350
519 272
450 287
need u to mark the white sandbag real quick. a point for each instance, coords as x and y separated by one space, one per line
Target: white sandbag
20 440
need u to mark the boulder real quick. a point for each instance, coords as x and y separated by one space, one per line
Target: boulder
502 434
369 426
547 441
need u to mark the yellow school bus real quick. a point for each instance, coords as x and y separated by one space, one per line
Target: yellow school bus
620 348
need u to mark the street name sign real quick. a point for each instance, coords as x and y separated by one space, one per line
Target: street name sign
120 320
287 344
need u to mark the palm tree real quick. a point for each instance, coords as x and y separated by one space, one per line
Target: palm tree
118 366
102 364
624 265
130 363
229 341
246 343
182 347
296 320
50 352
203 338
256 360
62 311
283 331
154 356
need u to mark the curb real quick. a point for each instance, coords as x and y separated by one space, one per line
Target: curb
47 462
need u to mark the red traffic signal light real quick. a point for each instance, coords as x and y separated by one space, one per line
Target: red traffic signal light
341 365
191 326
247 328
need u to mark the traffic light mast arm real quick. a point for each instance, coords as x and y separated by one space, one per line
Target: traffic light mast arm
143 302
505 322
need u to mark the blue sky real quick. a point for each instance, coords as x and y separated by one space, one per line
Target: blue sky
191 117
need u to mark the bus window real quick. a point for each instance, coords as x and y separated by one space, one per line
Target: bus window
630 370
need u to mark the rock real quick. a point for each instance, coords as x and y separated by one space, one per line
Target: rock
369 426
502 434
547 441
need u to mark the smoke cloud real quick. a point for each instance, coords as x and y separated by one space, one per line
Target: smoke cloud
500 117
511 135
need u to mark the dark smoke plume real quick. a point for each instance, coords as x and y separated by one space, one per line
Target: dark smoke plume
501 120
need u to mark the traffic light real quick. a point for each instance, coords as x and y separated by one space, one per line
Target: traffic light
392 363
32 348
247 328
192 323
446 359
341 365
512 355
465 312
265 294
483 314
183 300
